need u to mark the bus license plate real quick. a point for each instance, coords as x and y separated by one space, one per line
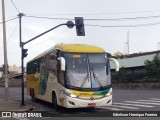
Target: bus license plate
91 104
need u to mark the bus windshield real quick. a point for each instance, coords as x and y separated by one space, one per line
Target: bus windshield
87 70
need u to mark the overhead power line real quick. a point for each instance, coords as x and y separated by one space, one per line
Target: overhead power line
104 13
99 19
50 38
9 20
131 18
137 25
11 34
15 52
41 17
18 51
15 6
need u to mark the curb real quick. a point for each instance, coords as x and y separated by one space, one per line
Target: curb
17 107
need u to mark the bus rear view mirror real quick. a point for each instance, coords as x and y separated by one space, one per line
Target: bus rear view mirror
62 62
116 63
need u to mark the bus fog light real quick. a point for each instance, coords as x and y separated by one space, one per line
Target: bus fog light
109 101
72 103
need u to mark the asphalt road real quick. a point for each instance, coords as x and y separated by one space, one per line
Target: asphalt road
123 100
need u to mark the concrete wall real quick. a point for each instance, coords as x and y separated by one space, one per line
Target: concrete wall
13 83
137 86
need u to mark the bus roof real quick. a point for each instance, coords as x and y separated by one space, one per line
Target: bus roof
77 48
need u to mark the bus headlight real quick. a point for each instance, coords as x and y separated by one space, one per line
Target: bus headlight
68 93
72 95
108 94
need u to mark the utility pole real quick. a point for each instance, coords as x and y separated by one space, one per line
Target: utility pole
5 53
20 38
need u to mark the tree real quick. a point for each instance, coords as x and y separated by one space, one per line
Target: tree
153 67
119 54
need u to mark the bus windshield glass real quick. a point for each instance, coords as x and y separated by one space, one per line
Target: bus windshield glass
87 70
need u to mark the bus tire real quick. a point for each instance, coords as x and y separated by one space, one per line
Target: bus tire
30 92
33 95
54 101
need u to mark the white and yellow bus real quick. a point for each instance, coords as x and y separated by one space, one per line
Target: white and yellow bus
71 76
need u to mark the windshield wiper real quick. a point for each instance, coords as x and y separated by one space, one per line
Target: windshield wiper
84 80
96 78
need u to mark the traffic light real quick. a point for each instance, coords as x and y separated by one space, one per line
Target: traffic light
24 53
79 26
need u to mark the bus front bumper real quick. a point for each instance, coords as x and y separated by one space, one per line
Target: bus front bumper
70 102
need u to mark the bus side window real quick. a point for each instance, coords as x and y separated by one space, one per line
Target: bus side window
35 67
61 80
38 66
52 57
46 63
42 67
58 53
32 67
28 68
53 64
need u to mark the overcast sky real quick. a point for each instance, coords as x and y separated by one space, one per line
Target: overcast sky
107 35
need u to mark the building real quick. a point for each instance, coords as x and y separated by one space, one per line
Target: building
132 66
13 69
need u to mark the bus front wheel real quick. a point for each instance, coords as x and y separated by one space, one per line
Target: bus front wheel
54 101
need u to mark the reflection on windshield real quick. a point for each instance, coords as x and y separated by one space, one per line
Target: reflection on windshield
98 63
77 70
84 81
96 79
87 70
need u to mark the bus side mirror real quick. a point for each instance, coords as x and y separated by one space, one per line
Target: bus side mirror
116 63
63 63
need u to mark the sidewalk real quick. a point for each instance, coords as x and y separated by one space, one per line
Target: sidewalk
13 106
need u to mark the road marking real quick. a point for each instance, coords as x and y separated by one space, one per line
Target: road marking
142 102
125 107
133 104
110 108
148 100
